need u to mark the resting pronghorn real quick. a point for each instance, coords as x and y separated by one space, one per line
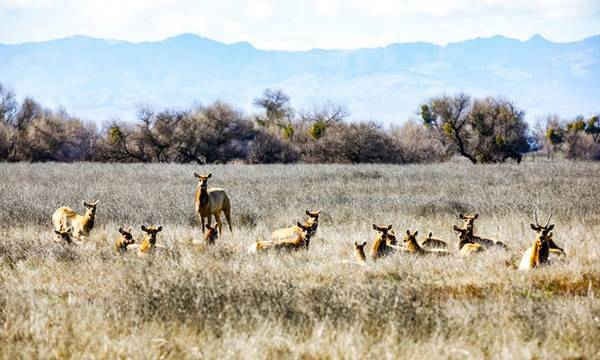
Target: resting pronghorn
466 246
298 240
412 246
432 243
385 242
359 252
210 235
65 218
124 240
211 201
541 248
292 233
148 244
63 236
469 226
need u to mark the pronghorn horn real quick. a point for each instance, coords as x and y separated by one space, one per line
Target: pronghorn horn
549 217
536 217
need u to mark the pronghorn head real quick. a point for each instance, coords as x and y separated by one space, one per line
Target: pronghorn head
468 220
151 232
90 207
359 250
202 180
463 236
313 214
211 234
64 235
127 237
308 229
545 231
383 229
410 238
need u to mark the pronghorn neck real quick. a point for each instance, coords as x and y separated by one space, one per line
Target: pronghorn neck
413 246
360 254
88 220
203 197
148 243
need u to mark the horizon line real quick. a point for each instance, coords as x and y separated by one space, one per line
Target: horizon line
199 36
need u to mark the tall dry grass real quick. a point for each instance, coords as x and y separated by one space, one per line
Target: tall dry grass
60 301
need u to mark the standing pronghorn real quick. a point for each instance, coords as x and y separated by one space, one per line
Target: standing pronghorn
543 244
211 201
66 218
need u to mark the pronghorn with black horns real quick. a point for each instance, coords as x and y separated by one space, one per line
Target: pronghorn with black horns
542 246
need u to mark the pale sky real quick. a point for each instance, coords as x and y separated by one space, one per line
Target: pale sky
297 25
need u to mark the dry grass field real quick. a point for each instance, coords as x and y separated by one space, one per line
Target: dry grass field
60 301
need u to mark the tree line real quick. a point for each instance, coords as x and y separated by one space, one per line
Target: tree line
481 130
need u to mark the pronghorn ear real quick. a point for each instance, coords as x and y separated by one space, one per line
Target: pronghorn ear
209 175
85 204
534 227
308 212
550 227
159 228
431 234
461 216
408 232
364 243
144 228
355 244
416 233
374 227
121 230
475 216
196 175
389 227
57 232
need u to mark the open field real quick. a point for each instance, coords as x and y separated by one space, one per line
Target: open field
61 301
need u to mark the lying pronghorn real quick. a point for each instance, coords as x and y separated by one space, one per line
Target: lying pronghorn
359 252
469 226
211 201
542 246
385 242
298 240
65 218
292 232
466 246
124 240
148 244
432 243
210 235
412 246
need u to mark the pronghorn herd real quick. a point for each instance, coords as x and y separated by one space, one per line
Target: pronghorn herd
73 228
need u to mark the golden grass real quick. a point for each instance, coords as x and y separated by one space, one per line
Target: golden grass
60 301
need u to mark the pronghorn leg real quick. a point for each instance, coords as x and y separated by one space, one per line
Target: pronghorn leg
219 225
202 221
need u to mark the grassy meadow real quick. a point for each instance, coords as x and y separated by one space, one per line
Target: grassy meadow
60 301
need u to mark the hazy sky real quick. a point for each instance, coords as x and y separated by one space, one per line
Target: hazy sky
295 24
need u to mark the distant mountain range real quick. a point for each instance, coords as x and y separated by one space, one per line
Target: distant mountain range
101 79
